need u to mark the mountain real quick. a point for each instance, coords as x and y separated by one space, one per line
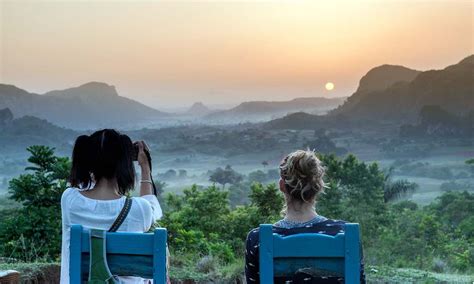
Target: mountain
396 99
91 105
452 88
436 122
19 133
377 79
382 77
198 109
6 116
266 110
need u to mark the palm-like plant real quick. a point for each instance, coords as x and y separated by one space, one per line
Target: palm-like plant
394 190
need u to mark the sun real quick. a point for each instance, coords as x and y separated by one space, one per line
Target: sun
329 86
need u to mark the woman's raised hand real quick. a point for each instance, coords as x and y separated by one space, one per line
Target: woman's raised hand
142 156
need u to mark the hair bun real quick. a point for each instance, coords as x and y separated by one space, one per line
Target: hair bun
303 175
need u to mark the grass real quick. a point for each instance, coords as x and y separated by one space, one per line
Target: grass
37 272
49 272
205 270
381 274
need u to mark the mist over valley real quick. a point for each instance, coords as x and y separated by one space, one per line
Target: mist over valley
419 125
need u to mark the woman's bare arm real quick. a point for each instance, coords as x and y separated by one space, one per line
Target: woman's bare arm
145 182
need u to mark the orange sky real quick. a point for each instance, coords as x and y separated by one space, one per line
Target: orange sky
171 53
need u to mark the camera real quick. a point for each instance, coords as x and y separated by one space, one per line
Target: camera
135 150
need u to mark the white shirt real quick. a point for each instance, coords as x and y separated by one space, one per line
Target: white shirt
100 214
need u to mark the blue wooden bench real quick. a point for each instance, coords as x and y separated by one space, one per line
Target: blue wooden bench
284 255
130 254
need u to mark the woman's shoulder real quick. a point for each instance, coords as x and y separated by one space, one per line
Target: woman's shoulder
148 204
68 194
326 226
146 201
69 190
148 209
253 234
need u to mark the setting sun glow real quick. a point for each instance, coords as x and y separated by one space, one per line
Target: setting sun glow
329 86
224 52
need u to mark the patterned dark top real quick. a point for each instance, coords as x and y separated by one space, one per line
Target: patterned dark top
319 224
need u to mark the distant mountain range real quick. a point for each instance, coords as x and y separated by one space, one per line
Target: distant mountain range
452 88
19 133
378 79
396 94
387 93
198 109
264 110
91 105
96 105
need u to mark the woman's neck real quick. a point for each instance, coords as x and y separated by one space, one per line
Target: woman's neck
300 212
104 189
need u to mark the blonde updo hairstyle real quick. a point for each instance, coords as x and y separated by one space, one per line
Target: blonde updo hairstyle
303 175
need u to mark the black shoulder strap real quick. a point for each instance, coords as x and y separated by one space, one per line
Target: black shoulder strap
123 214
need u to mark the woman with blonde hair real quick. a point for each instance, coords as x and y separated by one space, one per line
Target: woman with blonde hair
301 181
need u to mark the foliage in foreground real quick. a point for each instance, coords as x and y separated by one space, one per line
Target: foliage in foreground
33 231
204 228
385 274
207 233
36 272
49 272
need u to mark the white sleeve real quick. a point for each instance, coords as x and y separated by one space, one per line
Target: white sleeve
66 228
156 212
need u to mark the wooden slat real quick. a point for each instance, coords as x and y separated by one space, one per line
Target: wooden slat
326 266
352 254
75 255
123 243
266 253
308 245
329 255
128 254
123 265
159 256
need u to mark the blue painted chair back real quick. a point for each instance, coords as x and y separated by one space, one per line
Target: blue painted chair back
284 255
128 254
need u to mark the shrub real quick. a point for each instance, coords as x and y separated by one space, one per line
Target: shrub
34 231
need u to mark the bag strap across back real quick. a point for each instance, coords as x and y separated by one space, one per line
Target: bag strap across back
123 214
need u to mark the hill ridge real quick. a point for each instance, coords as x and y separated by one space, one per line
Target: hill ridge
451 87
92 105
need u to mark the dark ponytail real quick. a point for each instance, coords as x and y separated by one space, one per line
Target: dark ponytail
81 163
125 165
105 154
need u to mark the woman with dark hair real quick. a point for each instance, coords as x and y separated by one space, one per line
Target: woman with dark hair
301 182
102 175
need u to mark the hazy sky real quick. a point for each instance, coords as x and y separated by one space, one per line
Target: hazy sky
171 53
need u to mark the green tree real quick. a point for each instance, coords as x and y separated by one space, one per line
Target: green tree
257 176
453 208
329 202
394 190
225 176
358 189
267 200
34 230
